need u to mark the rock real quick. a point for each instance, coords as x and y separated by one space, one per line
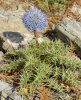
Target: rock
15 40
8 92
1 56
12 30
2 11
8 47
69 30
42 39
68 98
14 96
75 12
63 96
4 18
7 13
4 85
76 9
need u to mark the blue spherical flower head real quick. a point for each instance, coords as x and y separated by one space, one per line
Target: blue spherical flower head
34 19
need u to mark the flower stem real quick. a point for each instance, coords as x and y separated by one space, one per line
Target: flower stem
36 36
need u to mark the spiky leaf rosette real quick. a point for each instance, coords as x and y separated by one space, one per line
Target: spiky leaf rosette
34 19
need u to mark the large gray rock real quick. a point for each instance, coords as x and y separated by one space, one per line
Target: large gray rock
12 31
8 92
15 40
69 30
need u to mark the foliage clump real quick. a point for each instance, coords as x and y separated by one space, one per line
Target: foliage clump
47 64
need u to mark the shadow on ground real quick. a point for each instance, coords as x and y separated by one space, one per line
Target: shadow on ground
51 34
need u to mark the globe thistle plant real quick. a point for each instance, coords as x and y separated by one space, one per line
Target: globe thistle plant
34 20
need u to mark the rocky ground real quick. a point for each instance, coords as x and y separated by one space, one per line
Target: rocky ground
13 35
